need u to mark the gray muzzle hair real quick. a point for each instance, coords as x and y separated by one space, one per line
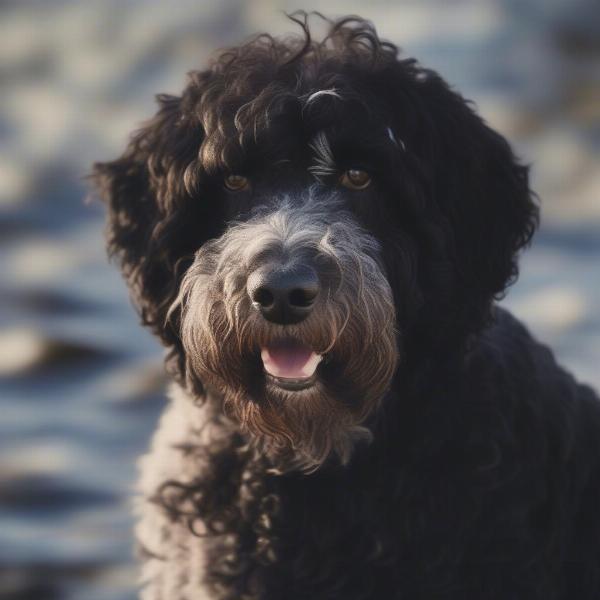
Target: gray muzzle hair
302 273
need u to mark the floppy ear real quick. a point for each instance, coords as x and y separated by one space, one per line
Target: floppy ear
151 210
481 193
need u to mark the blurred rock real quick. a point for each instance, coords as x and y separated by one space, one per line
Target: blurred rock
26 351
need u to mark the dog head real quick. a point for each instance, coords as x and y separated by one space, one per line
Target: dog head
304 218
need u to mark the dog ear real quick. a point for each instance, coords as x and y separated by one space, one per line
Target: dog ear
480 191
148 195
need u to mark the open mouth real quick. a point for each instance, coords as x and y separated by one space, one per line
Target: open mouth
290 364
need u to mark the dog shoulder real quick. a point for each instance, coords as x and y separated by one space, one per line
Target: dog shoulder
541 395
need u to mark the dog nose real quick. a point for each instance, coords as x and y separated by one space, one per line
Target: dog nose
284 295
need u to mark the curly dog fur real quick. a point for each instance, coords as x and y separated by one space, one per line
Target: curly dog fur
438 451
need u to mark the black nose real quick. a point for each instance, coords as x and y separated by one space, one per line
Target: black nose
284 295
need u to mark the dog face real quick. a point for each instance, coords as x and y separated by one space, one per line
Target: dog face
306 217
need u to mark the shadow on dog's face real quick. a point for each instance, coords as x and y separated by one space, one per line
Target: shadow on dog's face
304 218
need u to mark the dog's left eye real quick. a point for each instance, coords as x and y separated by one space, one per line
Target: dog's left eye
355 179
237 183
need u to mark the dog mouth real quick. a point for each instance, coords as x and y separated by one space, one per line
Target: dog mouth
290 364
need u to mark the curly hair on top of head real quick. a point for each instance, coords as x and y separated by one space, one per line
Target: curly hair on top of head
260 79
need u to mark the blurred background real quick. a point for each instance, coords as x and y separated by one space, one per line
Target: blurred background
81 384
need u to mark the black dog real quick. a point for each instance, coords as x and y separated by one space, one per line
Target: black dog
317 232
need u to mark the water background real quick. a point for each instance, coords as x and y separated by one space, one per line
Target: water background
81 383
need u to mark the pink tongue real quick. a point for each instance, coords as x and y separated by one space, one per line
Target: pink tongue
291 360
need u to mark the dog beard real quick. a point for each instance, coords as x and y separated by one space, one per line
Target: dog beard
350 332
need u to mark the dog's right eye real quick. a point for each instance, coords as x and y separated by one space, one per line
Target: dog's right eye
355 179
237 183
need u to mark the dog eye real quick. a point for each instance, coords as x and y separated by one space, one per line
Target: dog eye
355 179
237 183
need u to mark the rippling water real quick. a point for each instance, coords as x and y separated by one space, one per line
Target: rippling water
81 383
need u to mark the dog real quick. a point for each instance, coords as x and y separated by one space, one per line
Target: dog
318 230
